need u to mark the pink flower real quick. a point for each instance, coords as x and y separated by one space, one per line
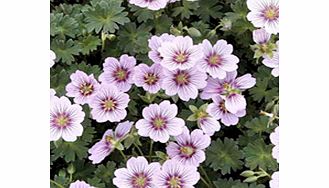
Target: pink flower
109 104
106 145
185 83
230 88
82 87
52 93
274 183
273 62
119 73
260 36
264 13
218 110
160 122
180 53
208 125
150 78
189 149
150 4
217 59
175 174
155 43
65 119
80 184
52 57
275 141
138 174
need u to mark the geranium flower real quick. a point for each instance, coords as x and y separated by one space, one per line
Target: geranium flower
52 93
274 183
273 62
218 110
107 144
82 87
189 149
205 121
80 184
260 36
109 104
138 174
275 141
264 13
175 174
217 59
230 88
150 78
185 83
150 4
180 53
155 43
52 57
65 119
160 122
119 73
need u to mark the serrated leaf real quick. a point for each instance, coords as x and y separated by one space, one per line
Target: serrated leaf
258 154
65 50
105 16
106 173
258 125
207 9
224 155
62 25
89 44
185 11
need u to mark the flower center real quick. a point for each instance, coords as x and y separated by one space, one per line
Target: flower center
109 138
150 78
181 57
140 181
62 120
182 78
214 60
121 74
187 150
175 182
222 106
202 114
159 122
86 89
109 104
271 13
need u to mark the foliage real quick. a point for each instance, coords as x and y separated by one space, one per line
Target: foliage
85 32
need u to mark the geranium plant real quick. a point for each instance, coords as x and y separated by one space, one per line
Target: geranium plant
164 94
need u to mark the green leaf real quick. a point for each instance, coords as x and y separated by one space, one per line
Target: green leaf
142 14
134 40
258 125
225 183
96 182
105 16
258 154
207 9
225 156
89 44
185 11
62 25
65 50
106 173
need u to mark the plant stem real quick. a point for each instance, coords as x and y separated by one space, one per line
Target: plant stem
57 184
123 155
206 175
139 149
204 181
151 147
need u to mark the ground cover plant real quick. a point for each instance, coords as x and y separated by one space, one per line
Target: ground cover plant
164 93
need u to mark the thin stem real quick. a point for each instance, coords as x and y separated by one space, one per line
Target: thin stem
57 184
139 149
123 155
206 175
204 181
151 148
